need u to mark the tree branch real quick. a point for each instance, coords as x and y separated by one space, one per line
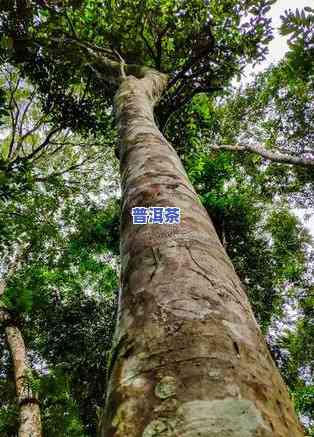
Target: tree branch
267 154
148 46
60 173
102 63
42 145
36 126
14 116
29 103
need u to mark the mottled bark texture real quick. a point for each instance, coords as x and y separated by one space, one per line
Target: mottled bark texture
304 160
29 415
188 359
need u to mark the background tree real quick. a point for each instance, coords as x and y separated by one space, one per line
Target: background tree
56 297
49 283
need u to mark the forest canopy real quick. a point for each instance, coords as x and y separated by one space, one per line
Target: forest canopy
64 222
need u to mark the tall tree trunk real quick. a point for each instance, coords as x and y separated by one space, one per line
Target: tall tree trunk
188 359
29 415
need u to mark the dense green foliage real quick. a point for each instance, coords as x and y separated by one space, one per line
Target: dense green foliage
63 294
201 45
58 192
63 299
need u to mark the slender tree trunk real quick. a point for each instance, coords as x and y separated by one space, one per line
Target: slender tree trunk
29 416
188 359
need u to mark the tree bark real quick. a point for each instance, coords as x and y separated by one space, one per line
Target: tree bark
30 422
29 415
188 359
275 156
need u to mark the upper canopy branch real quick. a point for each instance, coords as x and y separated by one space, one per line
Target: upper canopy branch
267 154
104 62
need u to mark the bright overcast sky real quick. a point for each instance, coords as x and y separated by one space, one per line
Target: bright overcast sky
278 45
